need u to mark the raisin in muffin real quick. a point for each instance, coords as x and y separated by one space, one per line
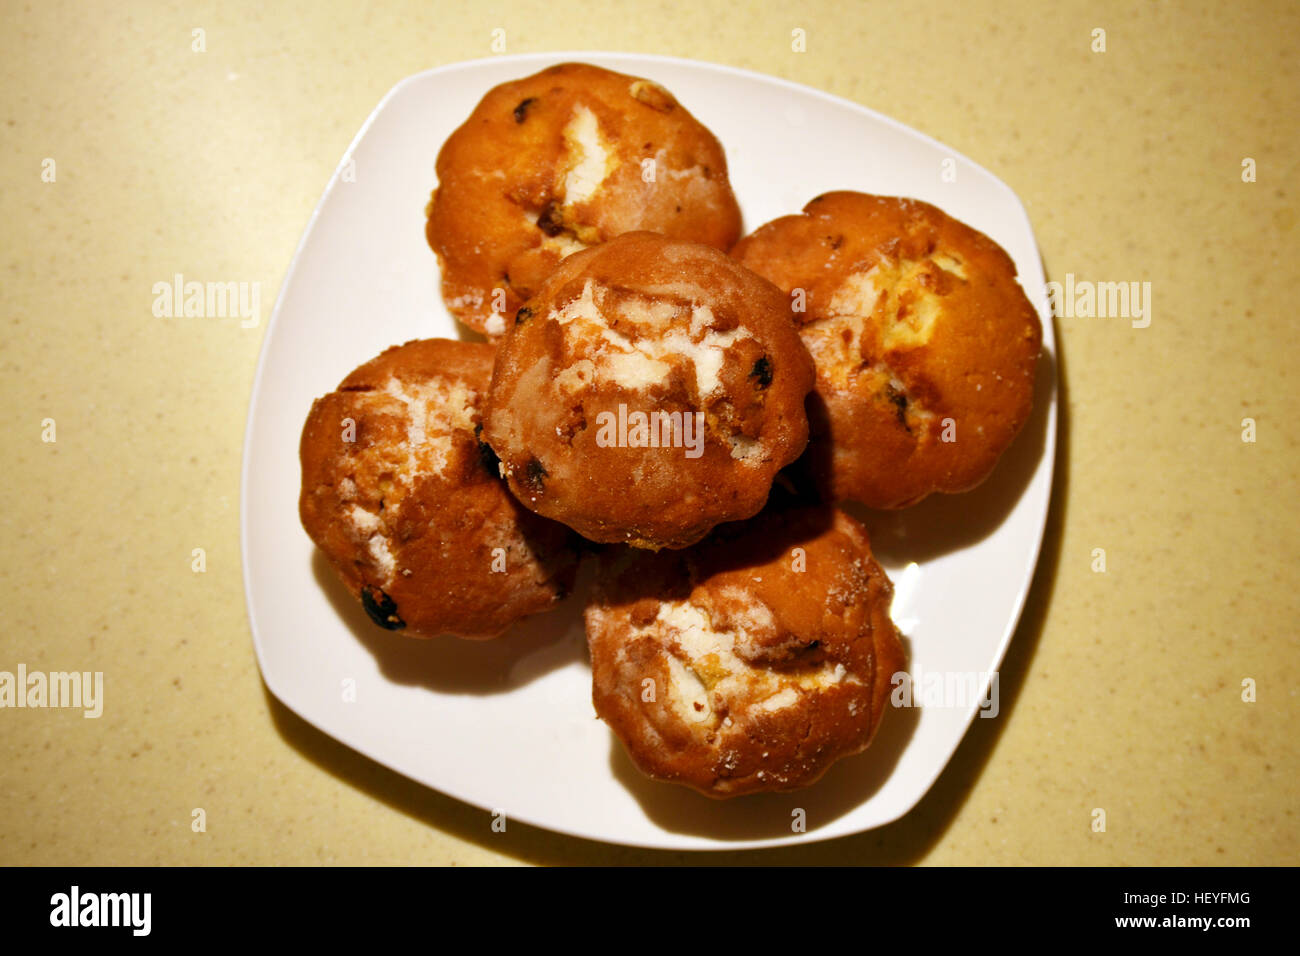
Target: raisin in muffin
408 506
750 662
650 390
561 160
924 342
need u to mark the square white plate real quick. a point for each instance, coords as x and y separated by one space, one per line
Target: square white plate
508 725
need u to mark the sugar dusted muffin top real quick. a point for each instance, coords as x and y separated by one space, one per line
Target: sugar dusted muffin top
560 161
650 390
752 661
409 507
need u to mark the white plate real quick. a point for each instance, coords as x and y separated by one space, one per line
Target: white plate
508 725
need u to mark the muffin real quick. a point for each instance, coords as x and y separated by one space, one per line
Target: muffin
750 662
408 506
650 390
559 161
924 342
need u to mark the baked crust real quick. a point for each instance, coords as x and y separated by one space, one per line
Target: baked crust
925 344
750 662
559 161
649 326
411 512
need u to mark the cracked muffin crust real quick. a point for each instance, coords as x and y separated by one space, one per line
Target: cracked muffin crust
407 505
924 342
651 390
559 161
750 662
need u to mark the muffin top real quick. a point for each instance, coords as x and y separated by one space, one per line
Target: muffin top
649 391
924 342
559 161
408 506
750 662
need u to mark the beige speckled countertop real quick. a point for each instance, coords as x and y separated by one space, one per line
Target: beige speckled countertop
1122 690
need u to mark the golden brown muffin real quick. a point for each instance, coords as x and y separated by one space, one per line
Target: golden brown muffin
924 342
650 390
408 507
750 662
559 161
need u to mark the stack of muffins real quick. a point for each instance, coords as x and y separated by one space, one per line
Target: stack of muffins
679 405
